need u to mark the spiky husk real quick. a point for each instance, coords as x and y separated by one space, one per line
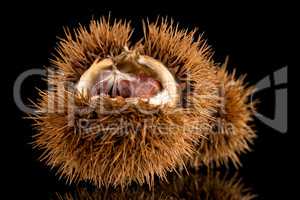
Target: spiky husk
195 186
232 130
110 157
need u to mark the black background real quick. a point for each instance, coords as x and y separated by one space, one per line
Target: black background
256 37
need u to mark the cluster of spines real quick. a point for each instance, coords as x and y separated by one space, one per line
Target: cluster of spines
111 159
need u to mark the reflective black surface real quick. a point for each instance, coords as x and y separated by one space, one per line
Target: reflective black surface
196 185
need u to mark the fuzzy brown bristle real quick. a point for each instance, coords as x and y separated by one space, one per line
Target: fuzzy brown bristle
80 48
114 149
111 141
190 62
232 130
77 137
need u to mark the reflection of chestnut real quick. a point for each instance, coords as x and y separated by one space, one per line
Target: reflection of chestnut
196 186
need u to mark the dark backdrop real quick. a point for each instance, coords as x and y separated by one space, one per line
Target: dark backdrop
256 37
